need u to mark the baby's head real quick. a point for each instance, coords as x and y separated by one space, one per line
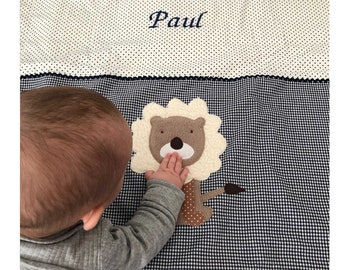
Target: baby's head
74 149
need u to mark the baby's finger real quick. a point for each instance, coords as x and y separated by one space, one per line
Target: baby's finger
184 174
165 161
172 161
178 165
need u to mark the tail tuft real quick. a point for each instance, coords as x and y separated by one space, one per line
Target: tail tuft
231 188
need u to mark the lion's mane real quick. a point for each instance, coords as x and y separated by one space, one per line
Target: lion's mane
215 143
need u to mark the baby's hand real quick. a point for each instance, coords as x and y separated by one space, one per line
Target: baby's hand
170 170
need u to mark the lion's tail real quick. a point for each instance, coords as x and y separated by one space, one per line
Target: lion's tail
229 188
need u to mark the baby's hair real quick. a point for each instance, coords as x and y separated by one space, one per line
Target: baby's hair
70 162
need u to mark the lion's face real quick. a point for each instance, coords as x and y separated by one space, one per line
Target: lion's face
188 129
177 134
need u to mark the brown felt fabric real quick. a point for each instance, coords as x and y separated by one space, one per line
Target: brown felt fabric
193 211
189 131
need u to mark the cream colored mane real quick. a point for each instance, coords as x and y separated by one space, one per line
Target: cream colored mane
215 143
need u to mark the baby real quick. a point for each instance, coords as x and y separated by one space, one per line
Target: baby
74 149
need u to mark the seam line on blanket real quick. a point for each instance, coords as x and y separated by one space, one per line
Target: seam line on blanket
196 78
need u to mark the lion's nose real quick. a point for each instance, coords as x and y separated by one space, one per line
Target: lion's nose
176 143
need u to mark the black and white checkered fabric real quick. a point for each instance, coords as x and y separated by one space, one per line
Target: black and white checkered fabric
261 66
278 138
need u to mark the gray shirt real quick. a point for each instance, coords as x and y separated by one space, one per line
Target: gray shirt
111 247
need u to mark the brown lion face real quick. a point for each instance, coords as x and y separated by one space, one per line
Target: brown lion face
177 134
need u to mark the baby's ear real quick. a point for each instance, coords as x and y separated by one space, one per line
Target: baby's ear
200 121
154 120
91 218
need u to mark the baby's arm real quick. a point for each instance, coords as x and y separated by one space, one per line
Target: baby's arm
133 246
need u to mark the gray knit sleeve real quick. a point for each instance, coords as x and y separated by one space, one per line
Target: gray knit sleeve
134 245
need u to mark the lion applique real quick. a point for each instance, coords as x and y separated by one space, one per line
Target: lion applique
193 133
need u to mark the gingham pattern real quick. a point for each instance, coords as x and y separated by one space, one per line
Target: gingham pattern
277 133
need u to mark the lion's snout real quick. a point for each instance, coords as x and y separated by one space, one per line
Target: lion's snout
176 143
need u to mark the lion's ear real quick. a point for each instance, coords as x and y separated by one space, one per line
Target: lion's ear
154 120
200 121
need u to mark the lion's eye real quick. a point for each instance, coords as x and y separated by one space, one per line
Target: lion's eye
191 131
162 131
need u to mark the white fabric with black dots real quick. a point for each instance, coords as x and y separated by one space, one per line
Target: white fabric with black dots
227 39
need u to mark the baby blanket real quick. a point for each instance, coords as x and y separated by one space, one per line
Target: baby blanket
259 68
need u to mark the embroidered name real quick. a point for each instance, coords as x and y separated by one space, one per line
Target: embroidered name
160 17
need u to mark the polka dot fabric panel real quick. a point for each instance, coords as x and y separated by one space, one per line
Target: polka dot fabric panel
224 39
